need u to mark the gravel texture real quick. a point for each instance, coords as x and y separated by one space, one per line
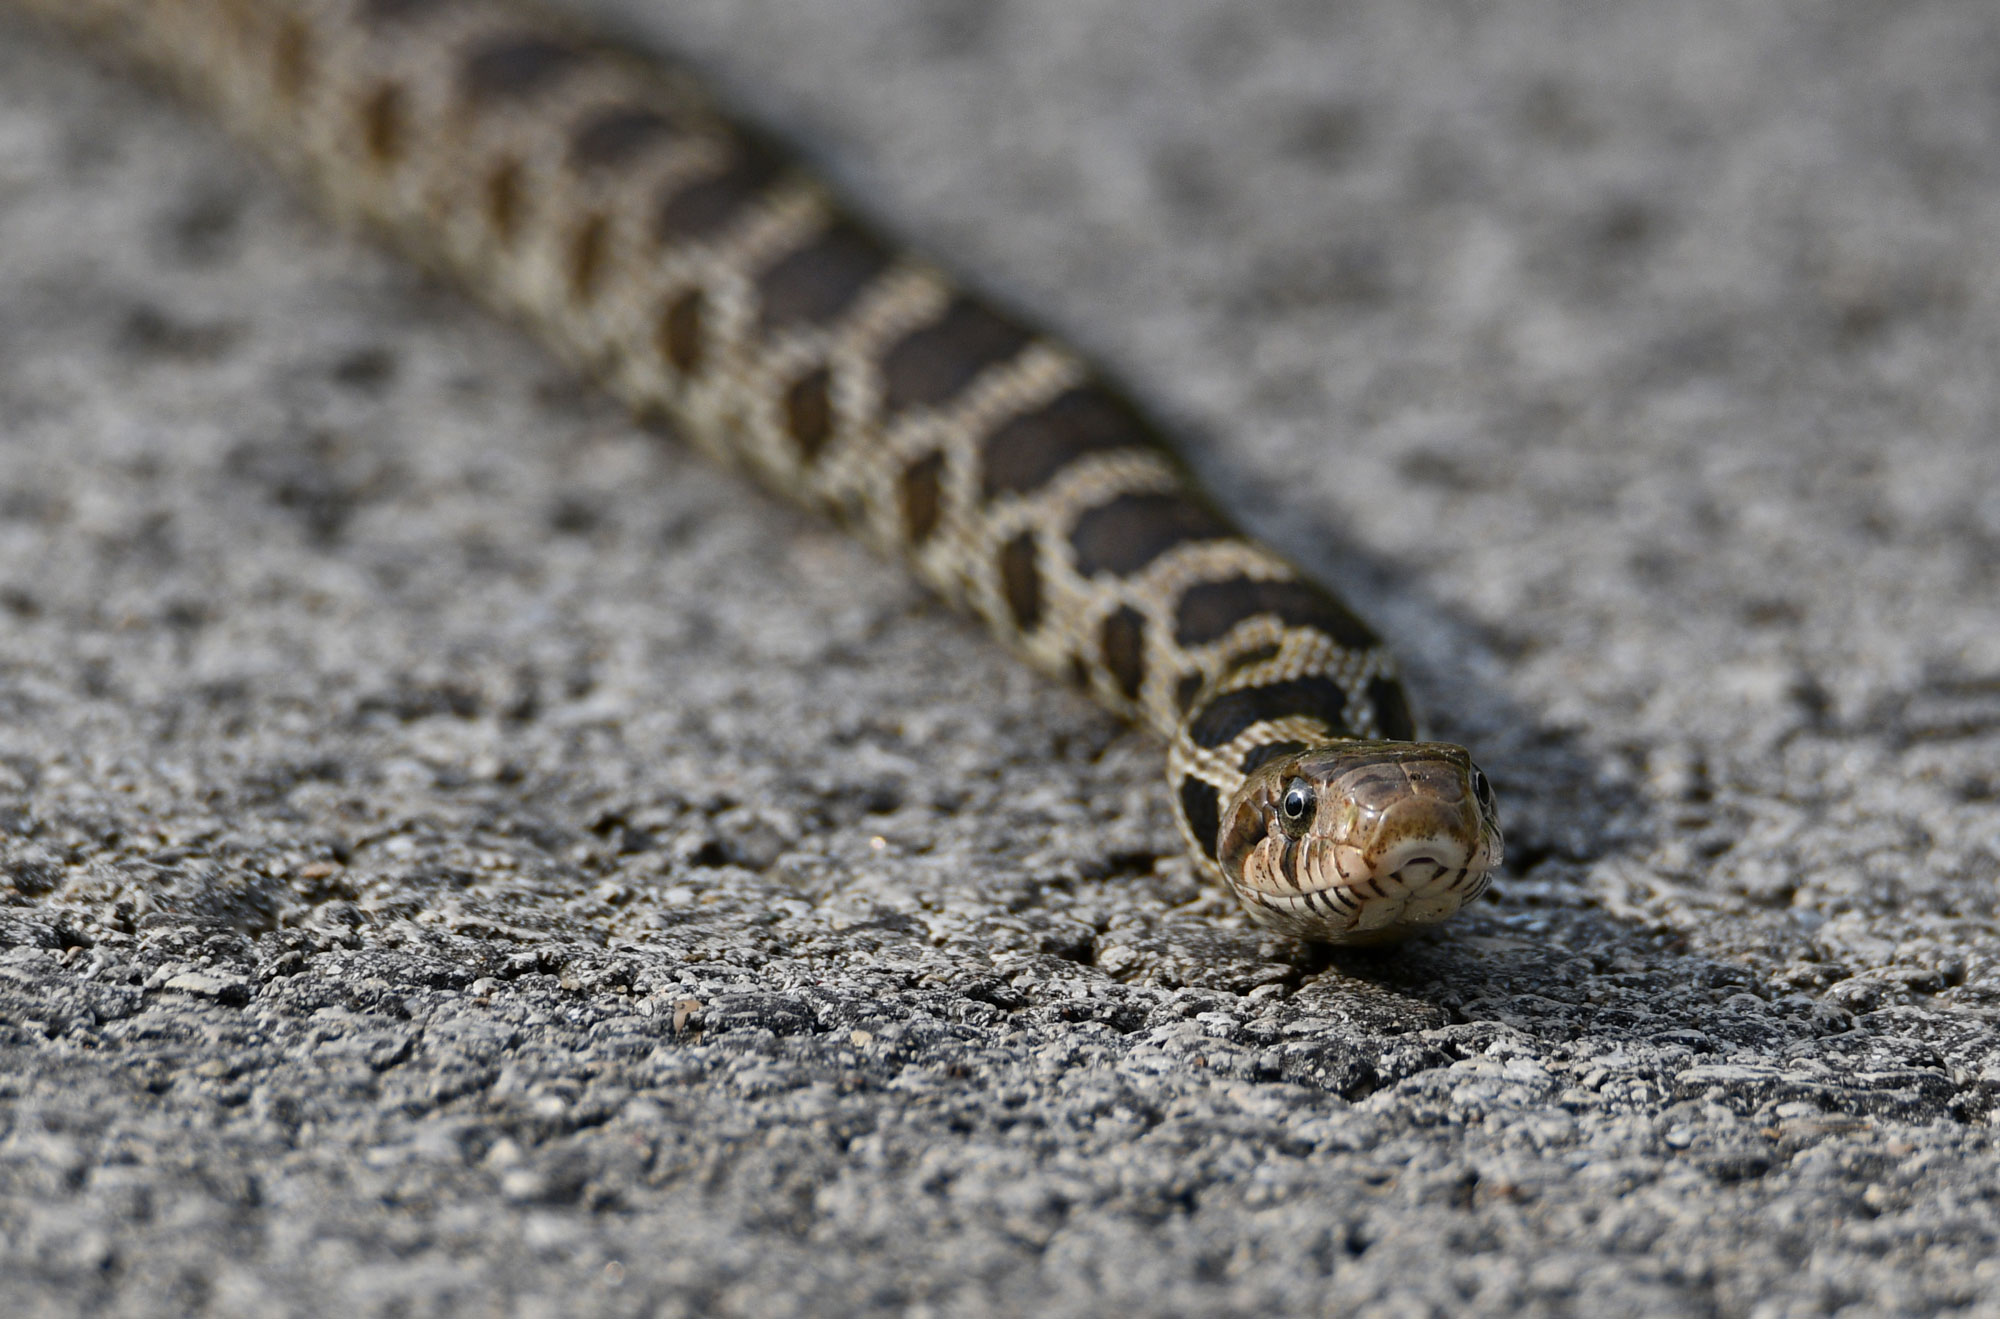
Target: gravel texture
459 854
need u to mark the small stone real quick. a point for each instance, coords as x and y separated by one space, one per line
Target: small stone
222 988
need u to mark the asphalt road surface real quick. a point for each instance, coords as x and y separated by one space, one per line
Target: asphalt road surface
462 854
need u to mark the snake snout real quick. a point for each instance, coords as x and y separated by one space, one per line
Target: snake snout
1442 845
1417 870
1417 864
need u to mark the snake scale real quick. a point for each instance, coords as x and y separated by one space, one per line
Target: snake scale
600 197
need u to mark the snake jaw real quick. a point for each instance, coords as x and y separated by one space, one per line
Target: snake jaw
1400 835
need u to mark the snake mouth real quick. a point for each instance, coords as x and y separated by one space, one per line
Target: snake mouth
1426 886
1418 883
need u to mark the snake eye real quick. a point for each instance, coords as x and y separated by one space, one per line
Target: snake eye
1295 808
1481 788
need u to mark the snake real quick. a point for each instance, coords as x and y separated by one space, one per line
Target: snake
601 196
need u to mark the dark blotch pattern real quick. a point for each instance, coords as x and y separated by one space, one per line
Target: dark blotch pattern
1026 453
822 279
923 497
809 413
1392 709
1202 805
516 67
1021 581
1187 689
390 11
932 365
503 199
1131 531
1223 718
1259 756
1208 611
291 59
1122 641
614 137
702 208
1250 658
382 124
680 333
586 257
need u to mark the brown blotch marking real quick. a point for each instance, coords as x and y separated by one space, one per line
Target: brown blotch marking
291 59
1021 580
1254 655
1187 689
1131 531
679 336
923 497
390 11
1122 642
848 508
699 209
819 281
382 124
586 257
809 415
1026 453
1392 709
1228 715
931 365
1209 610
1259 756
1201 805
613 137
503 199
514 67
1079 671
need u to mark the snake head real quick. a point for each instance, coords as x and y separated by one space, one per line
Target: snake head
1361 841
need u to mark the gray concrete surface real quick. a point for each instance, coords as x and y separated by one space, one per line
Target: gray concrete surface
464 856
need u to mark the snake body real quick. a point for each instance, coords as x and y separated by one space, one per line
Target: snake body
601 198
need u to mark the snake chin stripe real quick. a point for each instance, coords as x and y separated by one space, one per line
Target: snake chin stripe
603 201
